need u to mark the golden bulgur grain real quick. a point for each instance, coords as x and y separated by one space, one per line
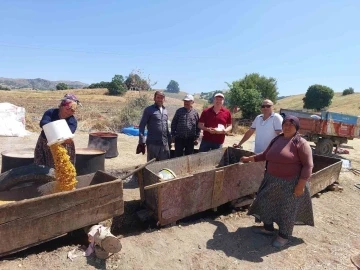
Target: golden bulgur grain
65 172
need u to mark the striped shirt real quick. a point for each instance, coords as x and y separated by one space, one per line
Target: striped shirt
184 124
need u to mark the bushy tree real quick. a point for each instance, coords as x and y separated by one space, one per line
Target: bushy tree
117 86
348 91
318 97
62 86
135 82
248 101
131 113
101 84
266 86
173 87
4 88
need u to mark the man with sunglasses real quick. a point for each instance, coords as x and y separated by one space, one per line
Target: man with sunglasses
266 125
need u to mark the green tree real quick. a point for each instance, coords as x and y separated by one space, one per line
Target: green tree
248 101
348 91
318 97
62 86
135 82
117 86
235 94
101 84
266 86
173 87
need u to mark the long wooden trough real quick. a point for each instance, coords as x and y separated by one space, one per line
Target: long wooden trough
37 216
208 180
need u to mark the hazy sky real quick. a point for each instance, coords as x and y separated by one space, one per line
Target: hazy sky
200 44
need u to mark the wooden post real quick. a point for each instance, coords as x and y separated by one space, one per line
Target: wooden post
218 187
106 240
141 186
159 206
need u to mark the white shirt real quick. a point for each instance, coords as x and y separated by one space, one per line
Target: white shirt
266 130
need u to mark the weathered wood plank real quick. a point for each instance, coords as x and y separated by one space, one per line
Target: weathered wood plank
31 230
140 178
324 178
150 196
183 198
190 194
218 187
29 222
46 205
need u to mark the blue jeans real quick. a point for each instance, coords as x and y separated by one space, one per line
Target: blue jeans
207 146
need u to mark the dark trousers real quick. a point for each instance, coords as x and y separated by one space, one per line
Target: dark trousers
206 146
184 145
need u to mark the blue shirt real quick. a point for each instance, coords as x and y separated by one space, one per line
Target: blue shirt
157 126
52 115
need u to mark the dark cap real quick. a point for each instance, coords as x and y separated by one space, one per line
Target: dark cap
294 120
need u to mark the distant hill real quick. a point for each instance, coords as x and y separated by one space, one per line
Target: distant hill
349 104
39 84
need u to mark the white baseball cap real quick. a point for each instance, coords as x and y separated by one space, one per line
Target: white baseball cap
189 98
219 95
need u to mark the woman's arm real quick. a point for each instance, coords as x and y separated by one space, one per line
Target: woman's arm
255 158
306 159
72 123
46 119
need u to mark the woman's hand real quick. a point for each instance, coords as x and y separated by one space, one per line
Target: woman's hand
300 187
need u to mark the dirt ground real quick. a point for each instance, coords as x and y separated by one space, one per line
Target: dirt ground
221 240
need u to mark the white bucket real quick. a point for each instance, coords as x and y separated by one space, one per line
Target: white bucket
57 132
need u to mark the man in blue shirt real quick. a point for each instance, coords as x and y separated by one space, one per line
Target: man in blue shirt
155 118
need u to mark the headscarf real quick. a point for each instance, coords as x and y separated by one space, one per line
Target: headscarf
296 122
68 99
293 120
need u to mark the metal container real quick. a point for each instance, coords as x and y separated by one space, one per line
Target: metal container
339 117
208 180
89 160
16 158
97 197
106 141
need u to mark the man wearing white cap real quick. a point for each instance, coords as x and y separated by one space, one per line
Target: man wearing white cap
184 130
215 123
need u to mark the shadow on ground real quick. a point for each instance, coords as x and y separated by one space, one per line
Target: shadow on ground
244 244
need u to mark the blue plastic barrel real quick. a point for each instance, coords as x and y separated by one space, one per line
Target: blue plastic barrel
132 131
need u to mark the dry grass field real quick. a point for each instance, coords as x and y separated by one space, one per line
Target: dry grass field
349 104
99 111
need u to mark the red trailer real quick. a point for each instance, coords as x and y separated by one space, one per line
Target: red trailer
326 130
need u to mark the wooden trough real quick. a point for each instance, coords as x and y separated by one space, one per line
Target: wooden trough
208 180
37 216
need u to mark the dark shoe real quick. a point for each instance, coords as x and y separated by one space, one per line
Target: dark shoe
261 230
280 242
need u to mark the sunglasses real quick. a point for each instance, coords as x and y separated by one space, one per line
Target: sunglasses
265 106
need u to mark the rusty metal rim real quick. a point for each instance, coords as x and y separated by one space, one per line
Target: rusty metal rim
104 134
89 151
19 153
